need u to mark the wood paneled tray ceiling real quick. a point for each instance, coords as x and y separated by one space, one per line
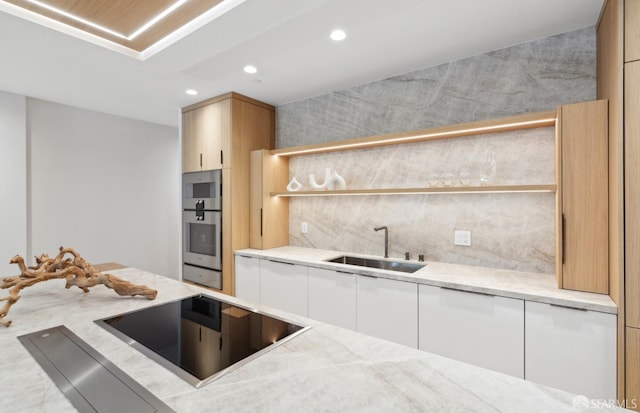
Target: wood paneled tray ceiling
129 23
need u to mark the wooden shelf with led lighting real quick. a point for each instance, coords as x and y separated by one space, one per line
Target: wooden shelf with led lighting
551 188
519 122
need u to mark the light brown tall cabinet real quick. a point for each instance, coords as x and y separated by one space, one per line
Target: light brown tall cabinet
269 215
583 209
220 133
618 60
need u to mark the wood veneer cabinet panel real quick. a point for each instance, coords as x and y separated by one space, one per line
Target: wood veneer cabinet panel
269 215
633 368
610 57
252 128
585 197
631 30
190 142
632 193
202 135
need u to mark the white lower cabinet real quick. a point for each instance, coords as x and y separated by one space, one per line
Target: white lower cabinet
284 286
248 278
388 309
332 297
479 329
571 349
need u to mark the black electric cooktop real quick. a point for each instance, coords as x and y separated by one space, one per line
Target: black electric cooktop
200 338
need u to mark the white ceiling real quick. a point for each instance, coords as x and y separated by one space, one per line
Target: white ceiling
287 40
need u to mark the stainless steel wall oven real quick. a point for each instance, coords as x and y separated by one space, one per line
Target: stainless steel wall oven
202 227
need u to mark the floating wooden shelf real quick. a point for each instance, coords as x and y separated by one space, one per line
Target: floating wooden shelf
439 190
519 122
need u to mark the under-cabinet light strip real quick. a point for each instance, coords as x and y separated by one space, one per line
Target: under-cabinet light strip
89 23
356 145
542 189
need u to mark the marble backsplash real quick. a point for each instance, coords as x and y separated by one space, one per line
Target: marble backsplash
530 77
510 230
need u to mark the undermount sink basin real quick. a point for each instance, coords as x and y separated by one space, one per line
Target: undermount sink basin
376 263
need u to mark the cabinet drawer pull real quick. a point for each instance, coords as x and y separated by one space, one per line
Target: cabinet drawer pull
343 272
368 276
567 306
564 232
280 262
467 291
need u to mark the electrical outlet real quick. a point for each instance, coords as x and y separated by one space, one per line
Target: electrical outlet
304 228
462 238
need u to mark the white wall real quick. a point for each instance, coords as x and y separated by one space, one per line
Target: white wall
13 181
105 185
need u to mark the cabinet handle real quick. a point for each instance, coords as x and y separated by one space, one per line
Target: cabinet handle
344 272
201 160
564 225
467 291
368 276
280 262
569 307
260 221
221 158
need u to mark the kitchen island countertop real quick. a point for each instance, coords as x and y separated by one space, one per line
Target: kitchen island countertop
530 286
324 369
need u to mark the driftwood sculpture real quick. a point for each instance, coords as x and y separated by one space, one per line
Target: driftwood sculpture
76 271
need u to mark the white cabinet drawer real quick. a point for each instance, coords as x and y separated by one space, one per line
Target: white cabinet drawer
284 286
332 297
571 349
479 329
388 309
248 278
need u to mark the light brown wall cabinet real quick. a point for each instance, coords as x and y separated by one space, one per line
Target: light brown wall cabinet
632 233
631 30
203 130
632 193
222 132
584 202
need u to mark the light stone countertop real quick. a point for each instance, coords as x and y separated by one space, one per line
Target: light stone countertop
325 369
514 284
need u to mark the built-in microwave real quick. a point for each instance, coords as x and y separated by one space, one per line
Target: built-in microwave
202 238
202 190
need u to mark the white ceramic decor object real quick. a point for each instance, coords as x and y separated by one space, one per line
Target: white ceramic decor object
294 185
335 181
315 185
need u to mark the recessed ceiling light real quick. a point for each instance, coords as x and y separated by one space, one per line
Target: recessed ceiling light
250 69
338 35
191 92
